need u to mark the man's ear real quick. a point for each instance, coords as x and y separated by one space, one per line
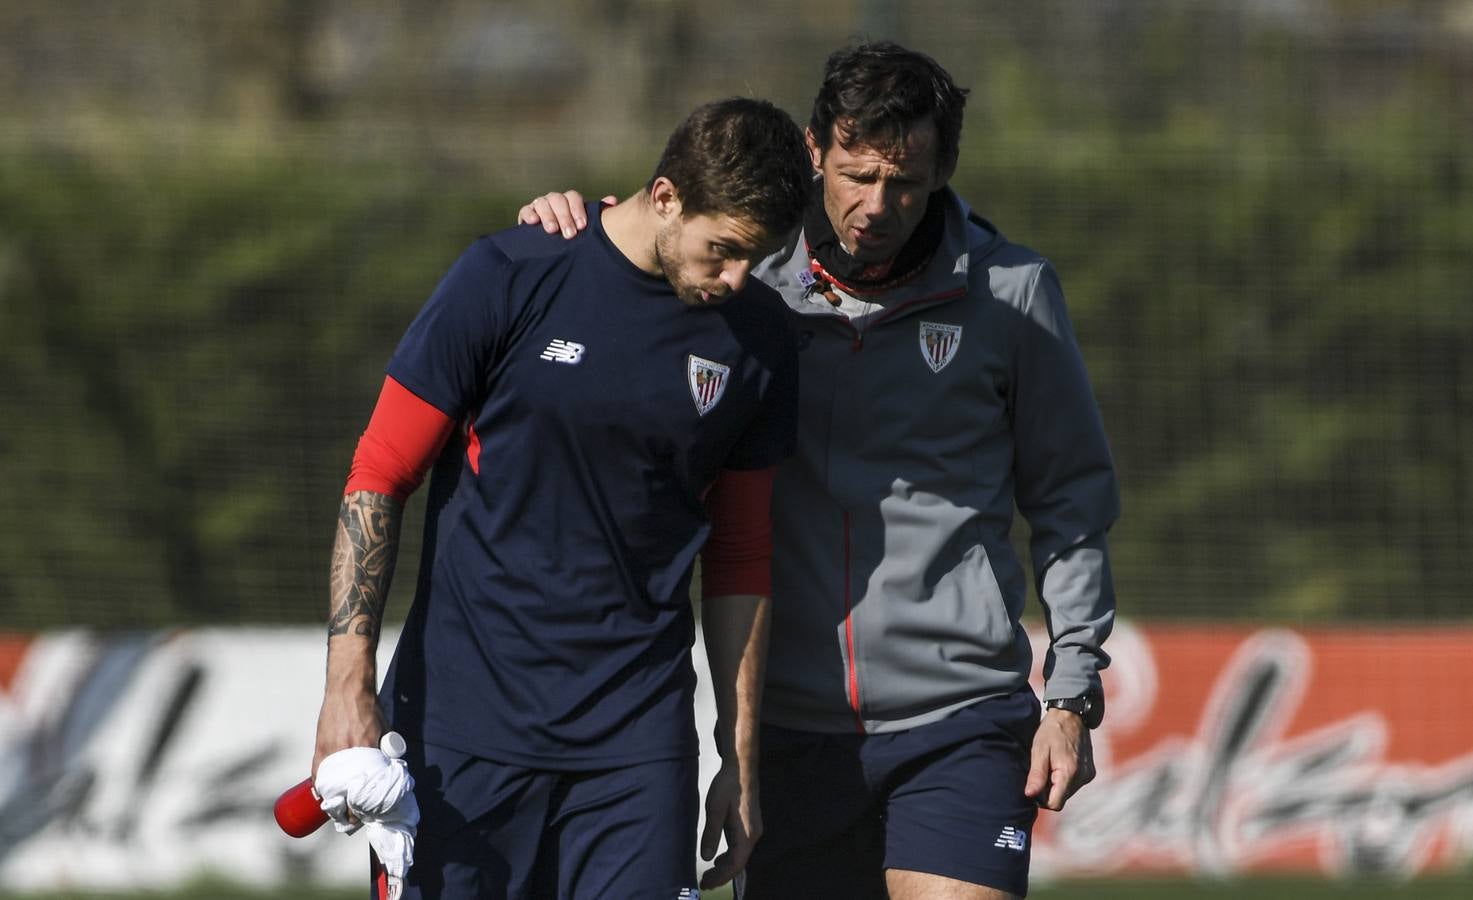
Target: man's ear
944 171
664 197
815 152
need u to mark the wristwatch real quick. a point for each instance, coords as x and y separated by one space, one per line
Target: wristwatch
1089 706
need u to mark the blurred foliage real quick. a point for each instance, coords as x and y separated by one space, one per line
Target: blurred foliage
192 349
1280 351
1263 226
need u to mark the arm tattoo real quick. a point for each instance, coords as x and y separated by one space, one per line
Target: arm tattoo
363 557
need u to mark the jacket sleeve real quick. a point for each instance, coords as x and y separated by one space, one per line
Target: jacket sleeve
1066 489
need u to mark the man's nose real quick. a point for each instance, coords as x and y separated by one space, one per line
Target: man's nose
734 274
875 200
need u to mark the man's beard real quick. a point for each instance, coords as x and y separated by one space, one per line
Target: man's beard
672 263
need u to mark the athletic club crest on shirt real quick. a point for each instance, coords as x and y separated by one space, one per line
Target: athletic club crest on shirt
707 382
939 343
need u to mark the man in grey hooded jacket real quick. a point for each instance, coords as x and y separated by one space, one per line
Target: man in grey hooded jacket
903 754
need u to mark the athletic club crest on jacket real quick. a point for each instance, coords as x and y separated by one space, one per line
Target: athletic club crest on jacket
939 343
707 382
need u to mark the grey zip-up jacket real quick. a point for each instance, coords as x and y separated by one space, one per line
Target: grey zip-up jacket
896 593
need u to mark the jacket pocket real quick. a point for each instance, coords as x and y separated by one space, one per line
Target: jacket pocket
938 628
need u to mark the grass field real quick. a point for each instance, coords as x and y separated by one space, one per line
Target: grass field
1439 888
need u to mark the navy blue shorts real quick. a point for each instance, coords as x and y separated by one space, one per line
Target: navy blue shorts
491 831
945 798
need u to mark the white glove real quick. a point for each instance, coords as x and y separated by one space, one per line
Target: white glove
367 784
394 844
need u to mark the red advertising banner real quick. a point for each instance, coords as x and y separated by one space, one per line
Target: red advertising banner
1229 749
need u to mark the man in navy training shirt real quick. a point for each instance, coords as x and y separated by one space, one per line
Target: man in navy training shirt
595 412
903 755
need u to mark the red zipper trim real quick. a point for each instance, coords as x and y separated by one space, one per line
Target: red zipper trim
858 343
849 634
945 295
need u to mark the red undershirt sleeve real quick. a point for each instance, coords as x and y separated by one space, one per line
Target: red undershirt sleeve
737 558
404 436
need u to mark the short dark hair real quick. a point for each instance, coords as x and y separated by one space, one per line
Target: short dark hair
739 157
877 92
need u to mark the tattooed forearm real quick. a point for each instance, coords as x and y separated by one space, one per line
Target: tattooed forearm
363 557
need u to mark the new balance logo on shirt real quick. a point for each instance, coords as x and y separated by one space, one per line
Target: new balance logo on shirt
688 894
1011 839
563 351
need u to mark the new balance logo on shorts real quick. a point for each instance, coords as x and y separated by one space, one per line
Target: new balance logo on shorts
688 894
563 351
1011 839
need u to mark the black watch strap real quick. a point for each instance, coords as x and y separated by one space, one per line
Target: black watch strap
1090 707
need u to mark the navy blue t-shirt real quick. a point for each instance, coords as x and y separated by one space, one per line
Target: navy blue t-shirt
552 624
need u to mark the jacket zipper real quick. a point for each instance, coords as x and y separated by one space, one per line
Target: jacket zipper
853 686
